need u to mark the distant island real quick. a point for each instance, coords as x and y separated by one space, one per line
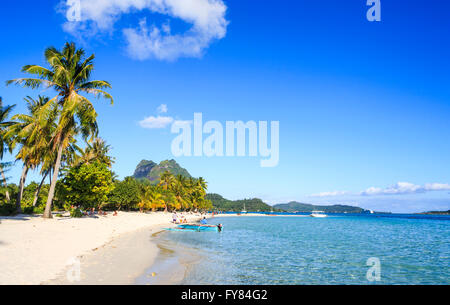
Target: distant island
294 206
251 205
436 213
257 205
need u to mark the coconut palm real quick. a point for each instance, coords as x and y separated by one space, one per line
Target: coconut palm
202 185
48 117
5 112
69 74
179 190
150 198
31 133
97 151
156 200
167 182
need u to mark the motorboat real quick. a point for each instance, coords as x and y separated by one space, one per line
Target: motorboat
318 214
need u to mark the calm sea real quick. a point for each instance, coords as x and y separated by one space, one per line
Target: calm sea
411 249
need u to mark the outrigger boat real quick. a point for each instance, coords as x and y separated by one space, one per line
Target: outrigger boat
195 227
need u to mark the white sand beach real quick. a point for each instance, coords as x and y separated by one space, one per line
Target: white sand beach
36 251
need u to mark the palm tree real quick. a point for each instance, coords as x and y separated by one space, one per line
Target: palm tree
5 111
179 191
202 185
48 117
69 75
167 182
97 151
149 198
30 131
156 200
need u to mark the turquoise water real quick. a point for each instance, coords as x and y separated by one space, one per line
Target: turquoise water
333 250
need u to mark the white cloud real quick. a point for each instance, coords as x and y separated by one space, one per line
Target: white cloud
330 194
157 122
437 187
399 188
207 19
162 108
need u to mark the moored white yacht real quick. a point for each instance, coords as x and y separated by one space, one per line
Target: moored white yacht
319 214
244 211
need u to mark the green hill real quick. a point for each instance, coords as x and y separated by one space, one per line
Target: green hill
436 213
307 208
251 205
152 171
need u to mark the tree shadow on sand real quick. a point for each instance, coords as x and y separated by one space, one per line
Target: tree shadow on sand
18 217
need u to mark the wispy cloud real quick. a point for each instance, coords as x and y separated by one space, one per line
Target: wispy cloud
400 188
206 17
406 188
330 194
156 122
162 109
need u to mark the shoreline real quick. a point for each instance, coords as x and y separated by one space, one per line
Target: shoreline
42 251
37 251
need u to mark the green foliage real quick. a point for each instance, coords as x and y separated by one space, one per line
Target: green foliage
87 185
12 188
125 195
251 205
97 151
28 198
7 209
171 193
76 213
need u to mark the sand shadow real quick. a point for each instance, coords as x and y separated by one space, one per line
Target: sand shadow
18 217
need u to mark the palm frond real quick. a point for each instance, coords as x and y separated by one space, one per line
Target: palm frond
99 93
38 70
32 83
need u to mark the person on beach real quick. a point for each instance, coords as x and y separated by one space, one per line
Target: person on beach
174 217
203 221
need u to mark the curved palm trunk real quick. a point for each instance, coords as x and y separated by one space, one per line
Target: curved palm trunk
38 190
6 185
21 186
51 193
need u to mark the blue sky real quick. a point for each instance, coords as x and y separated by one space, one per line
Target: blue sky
360 104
